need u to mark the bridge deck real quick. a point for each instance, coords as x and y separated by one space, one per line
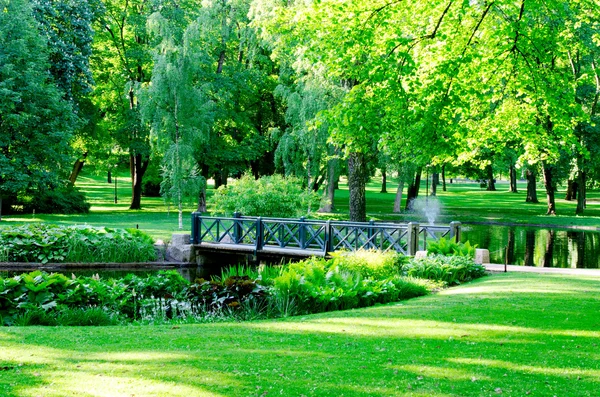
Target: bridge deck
249 249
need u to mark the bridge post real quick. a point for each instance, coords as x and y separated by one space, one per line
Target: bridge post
195 229
302 233
455 231
237 228
327 243
259 234
412 237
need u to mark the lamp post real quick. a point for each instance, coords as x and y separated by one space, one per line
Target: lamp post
116 184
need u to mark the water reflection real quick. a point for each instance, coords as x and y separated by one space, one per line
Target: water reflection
537 247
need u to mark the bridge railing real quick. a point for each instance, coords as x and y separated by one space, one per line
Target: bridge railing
315 235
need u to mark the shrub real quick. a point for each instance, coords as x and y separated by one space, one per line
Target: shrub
448 247
273 196
369 263
451 270
65 199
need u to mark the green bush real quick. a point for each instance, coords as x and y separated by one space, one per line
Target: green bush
370 263
60 200
51 243
269 196
447 247
452 270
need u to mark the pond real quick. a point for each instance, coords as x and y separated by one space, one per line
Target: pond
530 246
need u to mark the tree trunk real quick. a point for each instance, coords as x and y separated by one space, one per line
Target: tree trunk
77 167
531 187
137 165
581 188
204 170
383 181
331 179
549 184
356 186
435 181
444 177
398 199
491 185
513 179
413 189
571 188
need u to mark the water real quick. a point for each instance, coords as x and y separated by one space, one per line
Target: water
527 246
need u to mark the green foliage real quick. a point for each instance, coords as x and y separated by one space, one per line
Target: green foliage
370 264
452 270
36 124
231 293
317 285
51 243
273 196
449 247
60 200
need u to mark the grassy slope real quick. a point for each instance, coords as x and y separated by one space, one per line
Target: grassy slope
512 335
464 202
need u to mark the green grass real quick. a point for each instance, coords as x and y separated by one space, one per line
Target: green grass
508 334
465 202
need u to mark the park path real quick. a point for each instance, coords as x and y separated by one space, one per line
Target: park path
544 270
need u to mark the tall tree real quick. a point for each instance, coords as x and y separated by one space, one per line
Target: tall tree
35 121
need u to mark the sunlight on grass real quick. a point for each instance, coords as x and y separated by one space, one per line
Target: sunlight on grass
98 384
435 372
530 369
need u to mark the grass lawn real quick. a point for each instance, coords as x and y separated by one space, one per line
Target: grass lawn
507 334
465 202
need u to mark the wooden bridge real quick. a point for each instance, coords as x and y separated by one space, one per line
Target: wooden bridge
305 237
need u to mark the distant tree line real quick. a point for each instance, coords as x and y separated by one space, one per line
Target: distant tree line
181 91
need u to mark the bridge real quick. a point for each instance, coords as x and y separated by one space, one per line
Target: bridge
308 237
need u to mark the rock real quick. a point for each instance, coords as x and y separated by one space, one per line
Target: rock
420 254
482 256
180 239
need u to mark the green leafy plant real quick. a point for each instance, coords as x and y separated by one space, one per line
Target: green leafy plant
452 270
267 196
449 247
51 243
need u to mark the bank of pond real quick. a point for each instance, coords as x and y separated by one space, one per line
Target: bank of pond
346 281
536 246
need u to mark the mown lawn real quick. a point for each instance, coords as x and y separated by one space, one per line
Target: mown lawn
507 334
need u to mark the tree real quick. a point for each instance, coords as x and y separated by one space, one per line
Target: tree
35 121
178 110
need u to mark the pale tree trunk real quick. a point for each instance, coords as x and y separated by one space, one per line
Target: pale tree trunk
331 179
356 186
398 199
